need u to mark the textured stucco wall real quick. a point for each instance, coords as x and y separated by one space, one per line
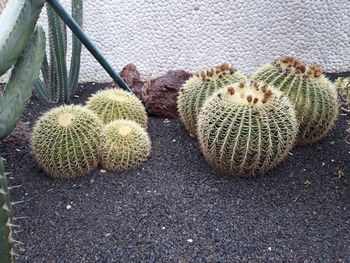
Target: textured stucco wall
193 35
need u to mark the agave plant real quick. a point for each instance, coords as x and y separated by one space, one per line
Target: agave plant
58 85
18 46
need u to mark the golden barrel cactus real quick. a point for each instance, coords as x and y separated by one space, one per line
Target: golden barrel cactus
124 144
65 141
198 88
245 129
312 94
113 104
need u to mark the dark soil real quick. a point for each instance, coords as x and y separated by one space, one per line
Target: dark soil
175 208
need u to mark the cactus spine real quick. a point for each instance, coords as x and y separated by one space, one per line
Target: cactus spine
124 144
313 95
6 219
17 24
198 88
113 104
20 86
246 129
65 141
58 84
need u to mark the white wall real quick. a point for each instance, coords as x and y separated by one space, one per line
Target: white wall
158 36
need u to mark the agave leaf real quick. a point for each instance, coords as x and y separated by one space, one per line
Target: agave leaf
17 24
21 83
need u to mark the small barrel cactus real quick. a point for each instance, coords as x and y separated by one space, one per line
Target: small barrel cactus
198 88
313 95
113 104
65 141
124 144
6 220
245 129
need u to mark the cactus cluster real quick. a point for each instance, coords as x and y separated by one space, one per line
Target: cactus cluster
245 129
114 104
199 87
69 141
312 94
124 144
59 84
65 141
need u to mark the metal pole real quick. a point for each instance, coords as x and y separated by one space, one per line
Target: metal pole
76 29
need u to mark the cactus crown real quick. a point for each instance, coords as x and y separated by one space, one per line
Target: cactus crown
218 72
293 65
253 94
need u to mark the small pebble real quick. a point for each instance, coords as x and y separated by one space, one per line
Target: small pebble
190 240
102 171
69 207
307 183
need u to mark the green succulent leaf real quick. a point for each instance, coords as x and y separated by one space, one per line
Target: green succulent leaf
21 83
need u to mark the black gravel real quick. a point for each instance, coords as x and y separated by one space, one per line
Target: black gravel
175 208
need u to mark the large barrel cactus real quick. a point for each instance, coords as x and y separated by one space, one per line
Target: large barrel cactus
6 220
198 88
113 104
124 144
65 141
246 129
313 95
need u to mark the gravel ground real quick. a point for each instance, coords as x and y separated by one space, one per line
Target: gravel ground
175 208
